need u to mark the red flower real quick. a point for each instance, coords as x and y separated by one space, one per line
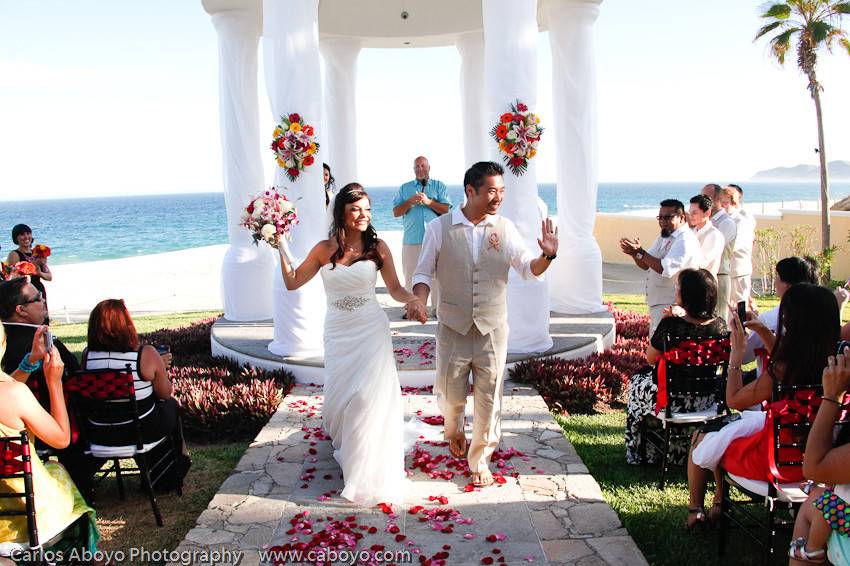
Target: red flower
308 130
24 268
507 117
501 131
517 161
41 250
293 172
521 107
250 208
308 160
294 118
517 117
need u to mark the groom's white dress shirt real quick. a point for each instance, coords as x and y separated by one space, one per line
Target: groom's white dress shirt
521 256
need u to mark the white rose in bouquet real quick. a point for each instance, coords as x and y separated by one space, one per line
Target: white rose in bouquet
285 206
267 231
258 208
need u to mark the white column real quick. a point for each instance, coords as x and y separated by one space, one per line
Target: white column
475 129
510 70
340 55
293 81
577 273
246 272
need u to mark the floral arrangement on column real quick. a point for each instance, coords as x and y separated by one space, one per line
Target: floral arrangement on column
294 145
269 217
518 134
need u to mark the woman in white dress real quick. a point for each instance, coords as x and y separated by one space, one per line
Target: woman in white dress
363 411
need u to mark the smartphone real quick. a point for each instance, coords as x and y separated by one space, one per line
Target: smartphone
742 311
841 345
48 341
162 348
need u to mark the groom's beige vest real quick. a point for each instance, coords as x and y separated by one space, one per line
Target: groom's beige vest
472 294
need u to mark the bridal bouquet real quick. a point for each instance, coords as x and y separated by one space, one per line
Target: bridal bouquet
270 216
294 145
20 269
518 134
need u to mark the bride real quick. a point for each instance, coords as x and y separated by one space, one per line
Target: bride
363 411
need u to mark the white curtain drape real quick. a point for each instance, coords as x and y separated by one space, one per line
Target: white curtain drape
576 276
293 82
247 270
510 70
470 46
340 55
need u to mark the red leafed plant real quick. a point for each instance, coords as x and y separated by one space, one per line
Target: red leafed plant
576 386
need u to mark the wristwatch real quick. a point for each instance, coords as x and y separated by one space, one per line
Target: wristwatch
639 255
549 257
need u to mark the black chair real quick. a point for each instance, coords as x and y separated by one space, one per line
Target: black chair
688 368
107 399
789 420
16 463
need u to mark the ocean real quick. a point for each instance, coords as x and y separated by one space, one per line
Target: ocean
82 230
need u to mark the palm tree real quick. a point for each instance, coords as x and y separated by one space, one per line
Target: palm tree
813 24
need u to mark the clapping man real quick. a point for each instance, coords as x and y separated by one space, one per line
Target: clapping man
675 249
419 201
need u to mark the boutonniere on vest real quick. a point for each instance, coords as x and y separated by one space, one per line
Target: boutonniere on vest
494 242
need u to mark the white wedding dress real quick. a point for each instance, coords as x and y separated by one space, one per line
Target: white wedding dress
363 410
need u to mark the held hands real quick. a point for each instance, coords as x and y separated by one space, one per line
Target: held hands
836 376
548 241
415 310
421 198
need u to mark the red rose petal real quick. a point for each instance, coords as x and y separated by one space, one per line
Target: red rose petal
487 560
399 538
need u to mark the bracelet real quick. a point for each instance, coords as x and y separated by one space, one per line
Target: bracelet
830 399
735 367
28 367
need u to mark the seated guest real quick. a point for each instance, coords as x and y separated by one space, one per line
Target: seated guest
789 271
692 317
113 343
806 335
22 310
818 523
57 499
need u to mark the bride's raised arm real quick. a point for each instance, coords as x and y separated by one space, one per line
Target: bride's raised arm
294 277
397 292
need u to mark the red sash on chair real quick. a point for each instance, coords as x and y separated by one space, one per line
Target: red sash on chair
688 352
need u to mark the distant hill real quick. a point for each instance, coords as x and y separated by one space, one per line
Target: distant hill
838 171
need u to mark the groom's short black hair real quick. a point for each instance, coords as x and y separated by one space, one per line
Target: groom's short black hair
476 174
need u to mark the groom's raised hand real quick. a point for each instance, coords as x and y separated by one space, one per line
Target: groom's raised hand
548 240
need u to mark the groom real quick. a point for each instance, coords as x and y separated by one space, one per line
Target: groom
470 252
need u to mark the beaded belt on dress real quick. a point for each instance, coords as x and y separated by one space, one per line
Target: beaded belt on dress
350 302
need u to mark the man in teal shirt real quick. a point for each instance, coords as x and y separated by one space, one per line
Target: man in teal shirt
419 202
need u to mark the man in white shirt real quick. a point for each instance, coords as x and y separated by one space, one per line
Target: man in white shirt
727 227
741 266
677 248
711 241
469 252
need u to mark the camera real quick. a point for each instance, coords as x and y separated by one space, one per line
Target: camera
162 348
48 341
405 15
742 311
841 345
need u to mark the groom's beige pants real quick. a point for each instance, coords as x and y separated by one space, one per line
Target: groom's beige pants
458 355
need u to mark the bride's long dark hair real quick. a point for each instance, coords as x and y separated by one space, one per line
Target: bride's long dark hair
350 193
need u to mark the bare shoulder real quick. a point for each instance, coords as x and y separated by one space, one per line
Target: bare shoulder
325 249
383 249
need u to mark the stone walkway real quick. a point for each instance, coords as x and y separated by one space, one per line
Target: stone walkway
546 510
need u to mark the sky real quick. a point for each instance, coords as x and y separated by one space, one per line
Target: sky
120 97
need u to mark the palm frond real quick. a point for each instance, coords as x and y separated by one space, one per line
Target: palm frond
841 8
820 31
778 11
768 28
846 44
780 44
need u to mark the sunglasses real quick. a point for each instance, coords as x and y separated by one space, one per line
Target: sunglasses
38 298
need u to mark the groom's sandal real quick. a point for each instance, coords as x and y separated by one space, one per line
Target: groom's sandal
482 479
458 446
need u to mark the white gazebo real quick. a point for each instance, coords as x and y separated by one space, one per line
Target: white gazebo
296 33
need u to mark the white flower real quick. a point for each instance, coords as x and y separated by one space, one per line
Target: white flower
285 206
511 134
267 231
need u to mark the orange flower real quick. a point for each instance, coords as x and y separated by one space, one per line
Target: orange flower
507 118
308 130
41 251
24 268
308 161
501 131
